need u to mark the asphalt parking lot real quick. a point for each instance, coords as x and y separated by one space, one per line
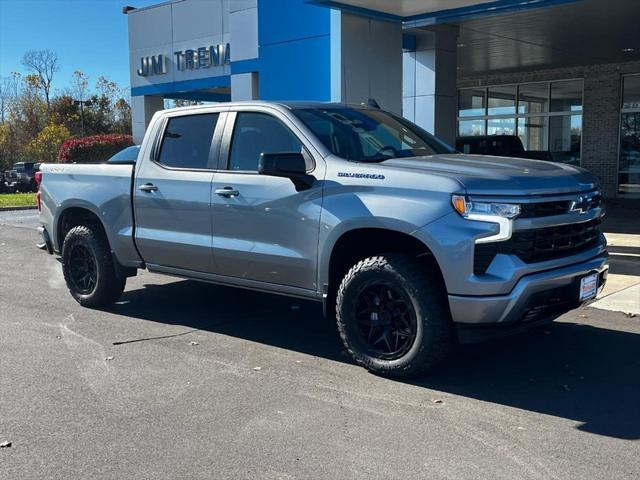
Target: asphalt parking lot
188 380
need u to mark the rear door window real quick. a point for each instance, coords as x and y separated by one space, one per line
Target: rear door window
186 142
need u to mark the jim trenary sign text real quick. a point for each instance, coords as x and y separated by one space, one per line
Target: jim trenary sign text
203 57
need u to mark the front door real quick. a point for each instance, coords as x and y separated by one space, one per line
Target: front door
172 195
263 228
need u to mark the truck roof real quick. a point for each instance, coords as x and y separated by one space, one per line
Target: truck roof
291 105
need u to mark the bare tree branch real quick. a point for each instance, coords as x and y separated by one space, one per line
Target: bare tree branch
43 63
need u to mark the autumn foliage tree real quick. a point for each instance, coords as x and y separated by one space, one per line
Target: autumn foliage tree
46 145
36 118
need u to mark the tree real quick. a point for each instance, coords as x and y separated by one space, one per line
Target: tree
180 102
46 145
107 89
6 96
29 114
42 63
123 116
80 84
65 112
8 146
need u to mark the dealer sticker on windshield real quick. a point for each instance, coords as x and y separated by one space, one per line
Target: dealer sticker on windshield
588 286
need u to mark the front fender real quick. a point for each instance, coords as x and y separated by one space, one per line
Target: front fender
348 208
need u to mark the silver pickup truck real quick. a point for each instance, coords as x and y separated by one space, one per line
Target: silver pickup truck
411 245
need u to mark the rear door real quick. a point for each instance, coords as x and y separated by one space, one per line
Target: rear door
172 193
264 229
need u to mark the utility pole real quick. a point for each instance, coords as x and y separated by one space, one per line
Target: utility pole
82 103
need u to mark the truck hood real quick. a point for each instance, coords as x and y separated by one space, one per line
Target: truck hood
483 175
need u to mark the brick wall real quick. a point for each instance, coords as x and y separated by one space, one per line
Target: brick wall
601 111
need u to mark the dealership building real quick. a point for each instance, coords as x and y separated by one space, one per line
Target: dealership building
562 75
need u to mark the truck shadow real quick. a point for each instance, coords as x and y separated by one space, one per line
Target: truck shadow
586 374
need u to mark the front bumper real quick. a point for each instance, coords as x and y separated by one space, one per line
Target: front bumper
536 297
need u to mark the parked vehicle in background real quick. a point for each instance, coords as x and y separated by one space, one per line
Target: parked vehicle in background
127 156
3 186
413 245
21 177
499 146
11 181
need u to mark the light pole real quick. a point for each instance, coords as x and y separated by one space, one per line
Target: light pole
82 103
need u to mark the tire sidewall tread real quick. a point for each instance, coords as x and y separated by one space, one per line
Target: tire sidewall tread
109 286
434 335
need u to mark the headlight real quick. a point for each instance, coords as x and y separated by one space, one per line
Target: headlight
500 213
466 209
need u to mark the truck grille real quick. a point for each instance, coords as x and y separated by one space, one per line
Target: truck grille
548 209
553 242
540 244
544 209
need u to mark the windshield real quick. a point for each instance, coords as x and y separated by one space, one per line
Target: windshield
368 135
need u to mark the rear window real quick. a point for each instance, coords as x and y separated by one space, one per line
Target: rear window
186 141
128 155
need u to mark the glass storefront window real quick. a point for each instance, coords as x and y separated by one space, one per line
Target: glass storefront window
501 126
533 133
470 128
546 116
502 100
631 92
565 138
629 183
629 159
630 142
533 98
566 96
471 102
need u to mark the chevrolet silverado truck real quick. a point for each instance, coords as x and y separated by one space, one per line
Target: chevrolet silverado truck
410 245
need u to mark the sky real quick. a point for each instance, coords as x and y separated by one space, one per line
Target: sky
89 35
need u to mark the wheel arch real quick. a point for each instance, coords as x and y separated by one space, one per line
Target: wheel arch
356 244
77 215
73 216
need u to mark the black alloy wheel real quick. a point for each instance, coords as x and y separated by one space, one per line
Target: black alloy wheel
386 320
83 270
392 315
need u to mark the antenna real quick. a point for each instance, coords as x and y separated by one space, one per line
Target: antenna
372 103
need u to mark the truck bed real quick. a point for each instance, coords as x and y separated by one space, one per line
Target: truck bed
103 189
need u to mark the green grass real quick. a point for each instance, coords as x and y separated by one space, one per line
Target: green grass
17 199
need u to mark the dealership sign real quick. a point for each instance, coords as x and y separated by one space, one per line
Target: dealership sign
203 57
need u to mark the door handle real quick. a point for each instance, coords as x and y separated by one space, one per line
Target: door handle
227 192
148 187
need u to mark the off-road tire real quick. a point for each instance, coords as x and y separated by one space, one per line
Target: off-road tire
435 336
108 286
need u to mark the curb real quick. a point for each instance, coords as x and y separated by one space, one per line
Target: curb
8 209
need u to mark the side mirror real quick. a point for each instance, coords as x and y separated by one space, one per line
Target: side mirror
290 165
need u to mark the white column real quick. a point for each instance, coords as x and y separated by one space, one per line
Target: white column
244 86
430 82
370 58
142 110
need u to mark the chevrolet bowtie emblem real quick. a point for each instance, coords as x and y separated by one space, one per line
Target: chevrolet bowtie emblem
581 205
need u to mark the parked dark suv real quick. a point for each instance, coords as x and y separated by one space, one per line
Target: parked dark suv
498 146
22 176
4 188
